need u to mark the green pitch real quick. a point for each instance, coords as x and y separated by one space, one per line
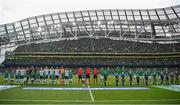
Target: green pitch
151 96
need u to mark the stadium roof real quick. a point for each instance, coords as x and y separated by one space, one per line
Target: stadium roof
14 10
161 24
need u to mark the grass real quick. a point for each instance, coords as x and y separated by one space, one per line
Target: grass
152 96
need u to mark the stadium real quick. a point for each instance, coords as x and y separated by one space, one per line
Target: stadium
103 56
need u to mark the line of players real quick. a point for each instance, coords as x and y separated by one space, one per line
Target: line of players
64 76
150 76
39 75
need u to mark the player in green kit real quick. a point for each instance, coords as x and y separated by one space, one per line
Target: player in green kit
36 69
137 76
53 76
6 77
108 72
105 75
18 73
149 72
123 69
38 76
12 76
154 75
101 76
119 70
123 77
63 77
116 78
70 76
141 72
32 76
115 74
83 78
158 74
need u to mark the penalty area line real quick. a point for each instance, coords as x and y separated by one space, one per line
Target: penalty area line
90 92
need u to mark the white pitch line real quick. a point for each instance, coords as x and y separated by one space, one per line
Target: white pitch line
138 100
90 92
3 87
48 88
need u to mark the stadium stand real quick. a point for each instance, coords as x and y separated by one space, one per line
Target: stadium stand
81 53
99 45
144 37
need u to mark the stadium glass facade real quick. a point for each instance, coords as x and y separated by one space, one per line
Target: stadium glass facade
162 24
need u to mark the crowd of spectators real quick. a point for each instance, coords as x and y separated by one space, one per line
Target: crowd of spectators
98 45
95 45
90 62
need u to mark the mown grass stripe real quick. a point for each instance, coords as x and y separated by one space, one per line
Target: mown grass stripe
90 100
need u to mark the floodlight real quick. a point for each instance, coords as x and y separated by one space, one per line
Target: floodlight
73 23
58 25
112 22
75 38
96 37
109 23
168 34
99 22
39 29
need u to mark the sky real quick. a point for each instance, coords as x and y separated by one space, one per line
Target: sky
14 10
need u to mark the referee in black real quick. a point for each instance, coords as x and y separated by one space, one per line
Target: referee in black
154 78
146 78
167 78
123 79
171 78
176 78
162 78
130 78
